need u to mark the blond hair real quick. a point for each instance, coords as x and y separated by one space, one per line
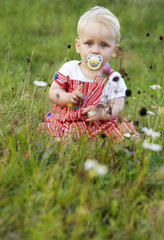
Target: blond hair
102 15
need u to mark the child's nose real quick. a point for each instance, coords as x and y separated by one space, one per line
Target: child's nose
95 49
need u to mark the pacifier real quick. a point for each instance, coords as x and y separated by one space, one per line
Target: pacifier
94 61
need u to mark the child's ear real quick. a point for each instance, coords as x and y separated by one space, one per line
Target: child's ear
77 45
115 50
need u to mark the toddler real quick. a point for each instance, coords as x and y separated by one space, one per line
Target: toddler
87 95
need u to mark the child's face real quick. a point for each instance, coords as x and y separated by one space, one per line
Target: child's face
95 38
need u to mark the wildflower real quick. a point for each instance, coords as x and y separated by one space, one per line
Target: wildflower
122 72
161 38
155 86
143 111
28 59
103 135
150 112
161 110
120 52
132 154
152 146
136 123
150 67
94 168
150 132
128 92
127 135
147 34
69 46
40 83
26 154
101 170
90 164
139 92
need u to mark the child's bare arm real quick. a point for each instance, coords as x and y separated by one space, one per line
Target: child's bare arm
60 97
108 113
115 106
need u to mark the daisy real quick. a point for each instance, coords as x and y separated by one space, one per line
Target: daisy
94 168
128 135
101 170
152 146
155 86
150 132
40 83
150 112
90 164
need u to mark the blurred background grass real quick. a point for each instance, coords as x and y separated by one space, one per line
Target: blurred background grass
47 27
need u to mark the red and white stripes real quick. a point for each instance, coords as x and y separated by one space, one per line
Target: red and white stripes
59 119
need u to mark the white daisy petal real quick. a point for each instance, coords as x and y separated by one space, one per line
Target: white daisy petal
155 86
90 164
128 135
150 132
156 134
40 83
101 169
144 129
150 112
152 146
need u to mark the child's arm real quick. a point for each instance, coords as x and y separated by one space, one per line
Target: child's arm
60 97
108 113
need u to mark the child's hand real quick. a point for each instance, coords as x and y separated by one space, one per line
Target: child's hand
76 97
92 112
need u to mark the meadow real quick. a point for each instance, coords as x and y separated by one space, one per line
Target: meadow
47 189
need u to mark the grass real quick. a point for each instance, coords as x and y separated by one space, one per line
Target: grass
45 193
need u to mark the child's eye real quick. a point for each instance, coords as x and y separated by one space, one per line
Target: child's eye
89 43
103 45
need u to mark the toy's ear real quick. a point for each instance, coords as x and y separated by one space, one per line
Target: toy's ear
77 45
115 50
